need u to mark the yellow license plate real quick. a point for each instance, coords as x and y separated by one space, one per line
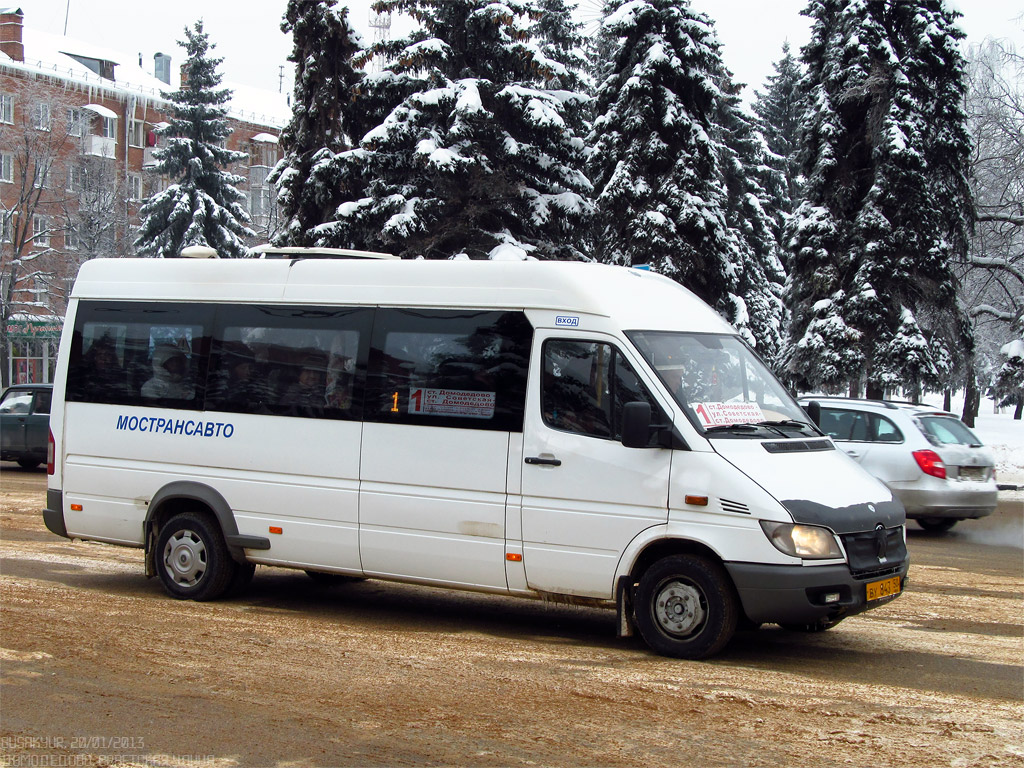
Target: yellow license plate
884 588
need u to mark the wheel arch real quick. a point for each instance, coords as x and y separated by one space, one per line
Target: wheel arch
643 552
183 495
664 547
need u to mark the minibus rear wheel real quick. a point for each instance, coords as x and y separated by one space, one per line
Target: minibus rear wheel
192 559
686 607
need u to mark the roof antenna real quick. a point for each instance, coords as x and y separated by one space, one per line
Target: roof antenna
67 10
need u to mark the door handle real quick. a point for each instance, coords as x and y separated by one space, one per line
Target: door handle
852 454
544 462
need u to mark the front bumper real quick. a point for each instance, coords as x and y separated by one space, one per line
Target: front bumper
795 594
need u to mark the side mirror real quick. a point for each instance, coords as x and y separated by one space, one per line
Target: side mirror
636 424
813 410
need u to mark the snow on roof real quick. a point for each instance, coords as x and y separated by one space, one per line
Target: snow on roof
54 55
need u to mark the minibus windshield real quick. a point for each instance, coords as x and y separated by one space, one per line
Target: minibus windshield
722 386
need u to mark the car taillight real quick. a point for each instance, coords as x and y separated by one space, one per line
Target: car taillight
51 453
930 463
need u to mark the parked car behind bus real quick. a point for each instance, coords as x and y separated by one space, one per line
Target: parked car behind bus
24 423
930 459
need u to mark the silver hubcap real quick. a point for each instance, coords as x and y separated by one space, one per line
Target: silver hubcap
185 558
678 608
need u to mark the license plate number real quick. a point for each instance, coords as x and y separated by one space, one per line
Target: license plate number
884 588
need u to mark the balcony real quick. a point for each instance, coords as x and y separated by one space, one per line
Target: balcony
101 146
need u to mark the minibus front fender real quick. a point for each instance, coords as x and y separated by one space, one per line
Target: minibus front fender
168 500
650 545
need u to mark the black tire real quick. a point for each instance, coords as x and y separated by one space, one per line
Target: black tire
332 579
192 560
29 463
686 607
813 626
937 524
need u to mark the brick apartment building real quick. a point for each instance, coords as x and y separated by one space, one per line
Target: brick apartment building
77 135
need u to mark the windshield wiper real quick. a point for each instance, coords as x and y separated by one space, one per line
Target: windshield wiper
785 423
769 426
739 425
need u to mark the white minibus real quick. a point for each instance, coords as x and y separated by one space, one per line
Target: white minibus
565 431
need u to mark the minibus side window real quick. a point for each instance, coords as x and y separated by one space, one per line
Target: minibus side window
307 362
462 369
134 353
585 386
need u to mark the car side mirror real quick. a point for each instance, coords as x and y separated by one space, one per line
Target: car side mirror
813 409
636 424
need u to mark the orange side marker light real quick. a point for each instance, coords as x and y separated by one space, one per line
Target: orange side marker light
697 501
276 529
514 557
76 507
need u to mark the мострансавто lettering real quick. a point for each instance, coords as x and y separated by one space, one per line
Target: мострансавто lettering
188 427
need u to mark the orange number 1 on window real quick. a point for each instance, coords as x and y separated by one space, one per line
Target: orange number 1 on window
394 403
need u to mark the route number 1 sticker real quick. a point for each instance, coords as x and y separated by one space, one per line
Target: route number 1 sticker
452 402
716 414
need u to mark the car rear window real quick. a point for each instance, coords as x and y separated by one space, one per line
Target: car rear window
948 430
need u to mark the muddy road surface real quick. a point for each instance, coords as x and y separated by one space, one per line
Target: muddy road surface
100 667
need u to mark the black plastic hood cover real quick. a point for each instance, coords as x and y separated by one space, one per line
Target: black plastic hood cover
855 518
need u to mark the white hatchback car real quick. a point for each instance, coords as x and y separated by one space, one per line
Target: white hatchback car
929 459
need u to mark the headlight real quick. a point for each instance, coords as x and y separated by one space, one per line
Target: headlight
807 541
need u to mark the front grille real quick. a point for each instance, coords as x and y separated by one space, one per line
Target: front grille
874 553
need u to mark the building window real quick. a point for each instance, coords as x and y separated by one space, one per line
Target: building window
109 130
157 184
41 292
6 108
136 133
76 125
41 116
261 194
263 153
5 226
40 231
135 186
41 179
75 178
7 167
72 241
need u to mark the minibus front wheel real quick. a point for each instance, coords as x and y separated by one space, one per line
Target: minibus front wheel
686 606
192 560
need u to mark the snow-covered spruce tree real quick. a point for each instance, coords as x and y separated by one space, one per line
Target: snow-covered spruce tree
754 189
560 40
202 205
887 206
476 157
779 110
324 117
1009 380
655 164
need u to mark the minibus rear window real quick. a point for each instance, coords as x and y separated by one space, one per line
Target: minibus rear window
140 354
